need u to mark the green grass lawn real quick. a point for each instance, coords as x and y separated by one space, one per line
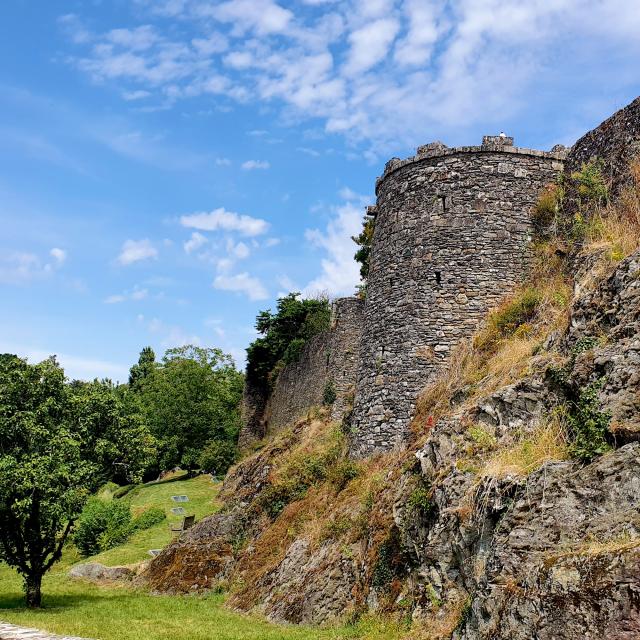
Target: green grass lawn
75 607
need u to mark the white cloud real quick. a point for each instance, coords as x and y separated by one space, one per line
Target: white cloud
221 219
223 162
250 165
135 294
140 94
172 335
59 255
22 267
340 273
136 251
75 367
385 73
238 250
250 286
370 44
196 241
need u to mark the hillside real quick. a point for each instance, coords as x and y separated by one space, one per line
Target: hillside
512 509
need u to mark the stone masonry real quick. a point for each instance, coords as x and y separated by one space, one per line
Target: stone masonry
329 358
451 239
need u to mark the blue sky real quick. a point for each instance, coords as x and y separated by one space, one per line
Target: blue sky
169 167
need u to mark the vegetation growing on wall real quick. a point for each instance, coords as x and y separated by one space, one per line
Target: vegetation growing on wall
283 334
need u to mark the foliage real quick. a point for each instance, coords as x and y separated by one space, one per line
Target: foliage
329 394
144 368
58 443
191 398
304 468
343 472
588 424
591 184
148 518
117 434
390 562
419 501
102 525
481 437
283 334
364 241
217 456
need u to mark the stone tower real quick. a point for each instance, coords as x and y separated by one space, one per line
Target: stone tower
451 239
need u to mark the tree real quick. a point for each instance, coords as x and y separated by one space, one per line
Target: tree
192 398
144 368
284 334
45 476
364 240
116 437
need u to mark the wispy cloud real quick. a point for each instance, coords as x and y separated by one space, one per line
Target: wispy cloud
378 72
135 294
22 267
136 251
243 283
221 219
339 271
194 243
251 165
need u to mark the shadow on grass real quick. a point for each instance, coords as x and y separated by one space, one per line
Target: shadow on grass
52 602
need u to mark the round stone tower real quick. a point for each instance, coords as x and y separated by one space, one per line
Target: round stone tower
451 238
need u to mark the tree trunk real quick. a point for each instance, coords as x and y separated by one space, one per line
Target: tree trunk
32 587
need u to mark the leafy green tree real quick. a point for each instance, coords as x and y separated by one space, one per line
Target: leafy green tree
284 334
193 397
117 434
143 369
364 240
45 475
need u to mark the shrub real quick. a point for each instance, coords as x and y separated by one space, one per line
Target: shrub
217 457
148 519
419 501
591 184
329 394
342 473
102 525
588 424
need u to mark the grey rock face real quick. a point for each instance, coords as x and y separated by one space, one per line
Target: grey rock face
96 571
451 239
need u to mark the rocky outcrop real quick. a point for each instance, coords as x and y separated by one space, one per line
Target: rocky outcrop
615 142
96 572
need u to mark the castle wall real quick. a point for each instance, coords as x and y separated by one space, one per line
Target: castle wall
451 238
329 357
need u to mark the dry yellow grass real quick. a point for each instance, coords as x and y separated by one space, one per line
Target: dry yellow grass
548 442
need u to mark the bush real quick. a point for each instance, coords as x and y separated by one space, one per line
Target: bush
148 519
591 184
329 394
588 424
102 525
419 501
217 457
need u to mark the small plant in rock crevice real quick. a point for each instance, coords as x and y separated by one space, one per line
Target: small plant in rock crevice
589 425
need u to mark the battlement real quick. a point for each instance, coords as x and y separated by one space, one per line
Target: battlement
490 144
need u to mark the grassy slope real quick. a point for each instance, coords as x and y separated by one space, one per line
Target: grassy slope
110 612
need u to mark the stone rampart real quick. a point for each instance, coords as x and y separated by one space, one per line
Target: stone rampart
329 360
451 239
